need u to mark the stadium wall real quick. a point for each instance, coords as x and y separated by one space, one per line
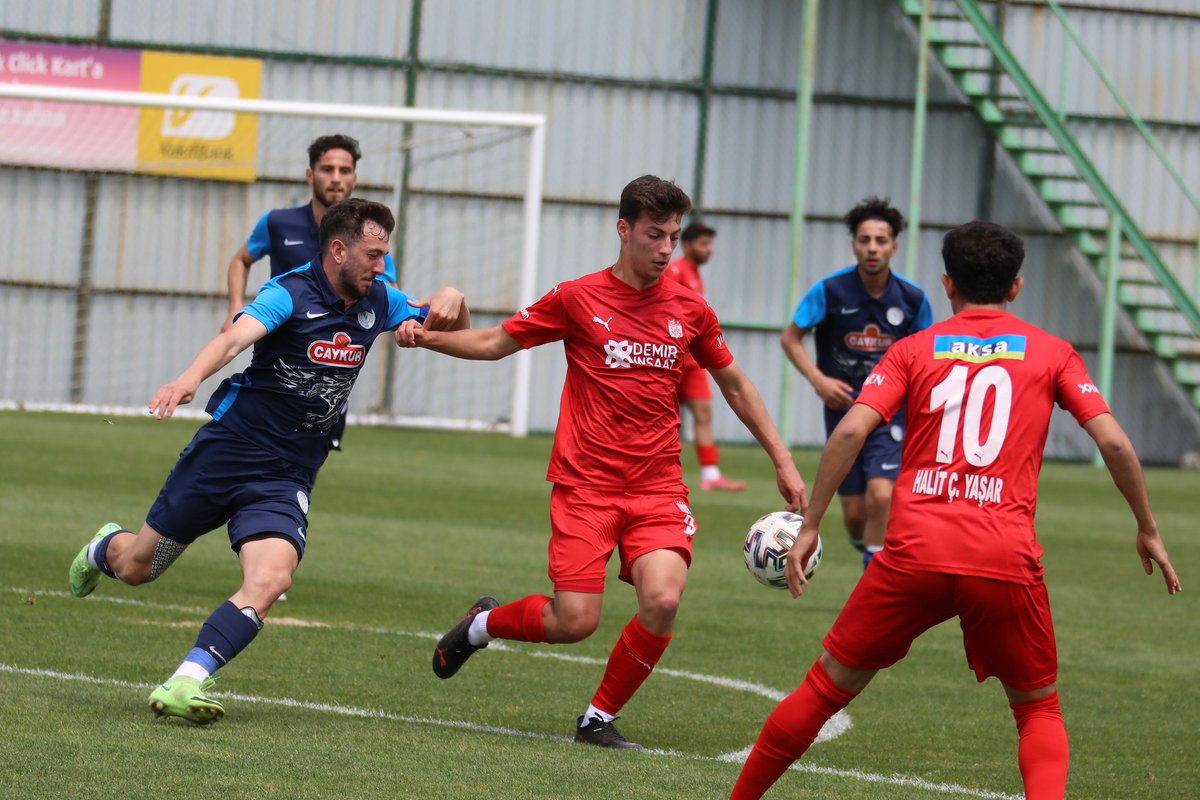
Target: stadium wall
629 88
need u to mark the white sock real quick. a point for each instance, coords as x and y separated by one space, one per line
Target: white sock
710 473
595 713
874 548
190 669
478 634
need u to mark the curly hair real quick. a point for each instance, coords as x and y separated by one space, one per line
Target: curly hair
334 141
983 259
874 208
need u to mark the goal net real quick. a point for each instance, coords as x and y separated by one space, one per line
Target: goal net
114 271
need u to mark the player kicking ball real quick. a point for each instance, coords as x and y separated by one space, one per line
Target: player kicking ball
960 541
253 465
618 483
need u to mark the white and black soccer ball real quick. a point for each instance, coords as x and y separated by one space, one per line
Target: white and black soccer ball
767 544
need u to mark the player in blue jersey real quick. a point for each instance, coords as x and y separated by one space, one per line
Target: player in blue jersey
289 236
252 466
857 313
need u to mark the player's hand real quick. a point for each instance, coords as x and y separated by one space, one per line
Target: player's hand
834 393
793 568
791 486
445 307
171 395
410 333
1150 547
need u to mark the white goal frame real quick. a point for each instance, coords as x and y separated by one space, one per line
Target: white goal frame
535 124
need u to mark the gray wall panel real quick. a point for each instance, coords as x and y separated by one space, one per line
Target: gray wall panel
38 327
40 230
64 17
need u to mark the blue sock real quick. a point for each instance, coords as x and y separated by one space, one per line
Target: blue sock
99 555
226 632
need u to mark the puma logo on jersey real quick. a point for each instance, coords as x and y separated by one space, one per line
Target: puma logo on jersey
603 322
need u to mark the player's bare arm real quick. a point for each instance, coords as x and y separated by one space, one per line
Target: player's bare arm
1126 471
840 451
239 272
222 349
475 344
742 396
834 393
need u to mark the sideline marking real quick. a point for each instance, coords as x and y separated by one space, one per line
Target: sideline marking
376 713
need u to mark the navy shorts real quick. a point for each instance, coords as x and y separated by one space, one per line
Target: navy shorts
880 455
221 478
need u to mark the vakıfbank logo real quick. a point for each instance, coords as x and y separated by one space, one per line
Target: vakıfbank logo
199 143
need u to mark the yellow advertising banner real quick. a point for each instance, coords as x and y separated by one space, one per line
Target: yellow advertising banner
192 143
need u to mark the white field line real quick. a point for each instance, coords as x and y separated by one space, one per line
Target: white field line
376 713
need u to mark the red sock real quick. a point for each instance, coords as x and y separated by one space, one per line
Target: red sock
1043 752
706 454
632 659
520 620
789 730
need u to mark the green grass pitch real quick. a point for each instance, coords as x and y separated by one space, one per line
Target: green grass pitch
336 697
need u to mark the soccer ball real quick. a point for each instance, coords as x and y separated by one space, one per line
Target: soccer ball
767 544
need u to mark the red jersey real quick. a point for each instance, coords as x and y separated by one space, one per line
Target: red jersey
684 271
979 390
618 420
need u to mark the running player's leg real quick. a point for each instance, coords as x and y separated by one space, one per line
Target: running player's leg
121 554
695 392
880 464
1008 632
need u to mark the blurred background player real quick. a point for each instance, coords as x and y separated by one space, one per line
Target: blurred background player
618 483
289 236
857 313
253 465
979 389
694 390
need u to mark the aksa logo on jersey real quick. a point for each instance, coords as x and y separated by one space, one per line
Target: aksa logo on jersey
338 353
645 354
870 338
977 350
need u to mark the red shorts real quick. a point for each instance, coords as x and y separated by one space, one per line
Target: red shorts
1007 628
587 525
694 384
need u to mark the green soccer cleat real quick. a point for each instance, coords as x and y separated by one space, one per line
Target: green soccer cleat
184 697
83 577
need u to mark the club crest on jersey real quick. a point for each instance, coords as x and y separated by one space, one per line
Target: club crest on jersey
870 338
338 353
977 350
675 329
366 319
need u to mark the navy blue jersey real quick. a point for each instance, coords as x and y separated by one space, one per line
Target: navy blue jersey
302 371
290 237
854 329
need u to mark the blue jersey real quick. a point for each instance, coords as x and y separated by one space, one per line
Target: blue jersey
302 371
290 237
854 329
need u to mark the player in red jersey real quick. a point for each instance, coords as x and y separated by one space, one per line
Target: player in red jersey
694 390
960 539
618 483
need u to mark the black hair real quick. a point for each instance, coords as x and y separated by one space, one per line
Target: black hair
695 230
874 208
344 220
652 195
983 259
334 141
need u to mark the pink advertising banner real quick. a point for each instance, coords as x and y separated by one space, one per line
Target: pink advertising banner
70 135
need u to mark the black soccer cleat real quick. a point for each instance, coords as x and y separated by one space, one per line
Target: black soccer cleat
602 734
455 648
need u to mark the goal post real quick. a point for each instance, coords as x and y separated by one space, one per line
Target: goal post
155 240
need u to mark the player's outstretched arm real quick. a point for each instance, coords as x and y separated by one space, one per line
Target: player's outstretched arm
239 272
1126 471
742 396
475 344
447 310
222 349
833 392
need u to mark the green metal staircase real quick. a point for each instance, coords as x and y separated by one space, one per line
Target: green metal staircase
971 49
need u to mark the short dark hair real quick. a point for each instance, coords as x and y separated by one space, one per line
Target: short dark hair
874 208
344 220
695 230
652 195
983 259
334 141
